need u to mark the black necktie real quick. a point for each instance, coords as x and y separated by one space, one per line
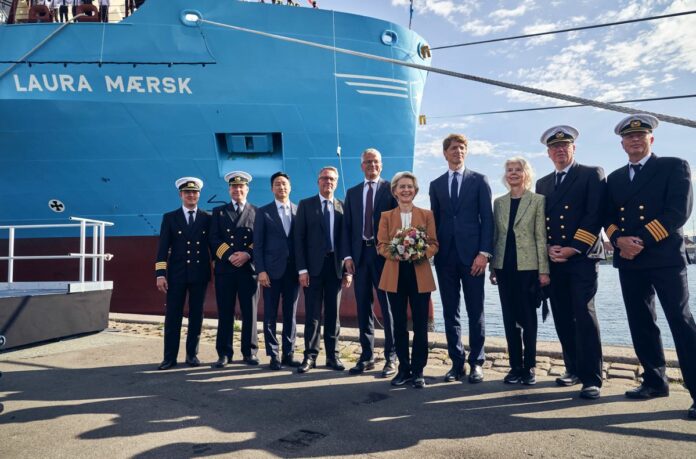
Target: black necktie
636 168
559 179
327 223
454 188
190 219
237 211
368 228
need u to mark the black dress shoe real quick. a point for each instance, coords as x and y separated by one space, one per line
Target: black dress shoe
193 361
167 364
275 364
389 369
418 380
251 360
362 366
644 392
691 414
290 361
590 392
528 378
513 376
335 364
476 375
455 374
568 379
307 364
221 362
401 378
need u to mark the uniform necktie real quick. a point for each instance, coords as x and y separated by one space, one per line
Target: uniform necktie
368 228
190 219
454 188
559 179
327 223
636 168
237 211
285 218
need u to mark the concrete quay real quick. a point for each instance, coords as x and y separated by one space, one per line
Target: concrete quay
100 396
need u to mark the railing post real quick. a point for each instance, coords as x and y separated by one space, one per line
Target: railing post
102 244
10 256
95 241
83 230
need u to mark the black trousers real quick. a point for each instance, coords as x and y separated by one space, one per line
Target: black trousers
176 297
325 290
240 285
453 276
287 289
572 290
407 293
104 13
638 287
367 275
63 11
517 294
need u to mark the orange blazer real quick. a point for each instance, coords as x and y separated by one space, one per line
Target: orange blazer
389 224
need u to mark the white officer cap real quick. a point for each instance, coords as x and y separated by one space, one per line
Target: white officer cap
238 177
189 183
640 122
562 133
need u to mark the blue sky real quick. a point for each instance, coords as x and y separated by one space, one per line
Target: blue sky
648 59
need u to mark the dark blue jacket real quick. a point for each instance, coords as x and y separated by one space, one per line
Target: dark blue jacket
182 253
274 251
229 234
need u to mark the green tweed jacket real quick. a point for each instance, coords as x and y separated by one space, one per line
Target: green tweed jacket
530 232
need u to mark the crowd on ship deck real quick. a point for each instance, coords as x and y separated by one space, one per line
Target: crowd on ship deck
536 245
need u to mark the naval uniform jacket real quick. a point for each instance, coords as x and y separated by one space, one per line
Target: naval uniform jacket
229 234
182 254
653 206
574 211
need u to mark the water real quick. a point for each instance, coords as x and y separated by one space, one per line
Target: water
608 302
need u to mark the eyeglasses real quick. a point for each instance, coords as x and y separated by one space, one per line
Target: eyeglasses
328 178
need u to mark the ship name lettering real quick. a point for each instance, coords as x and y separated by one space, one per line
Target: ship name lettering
52 83
148 84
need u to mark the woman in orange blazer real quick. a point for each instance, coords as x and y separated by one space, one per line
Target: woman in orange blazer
408 281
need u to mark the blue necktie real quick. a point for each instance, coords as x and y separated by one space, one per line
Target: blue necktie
454 189
636 168
327 223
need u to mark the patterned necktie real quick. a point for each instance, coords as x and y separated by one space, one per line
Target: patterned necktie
327 223
454 188
368 228
636 168
559 179
190 219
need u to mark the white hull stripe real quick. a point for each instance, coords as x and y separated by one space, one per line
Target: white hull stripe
372 85
368 77
379 93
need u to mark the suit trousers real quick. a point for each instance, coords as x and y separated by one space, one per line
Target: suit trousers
228 288
288 289
407 293
517 293
367 275
572 290
638 287
325 290
174 313
453 276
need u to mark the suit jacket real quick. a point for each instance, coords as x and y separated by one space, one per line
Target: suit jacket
182 253
310 236
653 206
574 211
354 213
466 227
530 232
274 251
389 224
229 234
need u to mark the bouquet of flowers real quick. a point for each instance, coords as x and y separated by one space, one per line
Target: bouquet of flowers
409 244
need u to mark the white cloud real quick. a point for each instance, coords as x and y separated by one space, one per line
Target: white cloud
479 28
514 12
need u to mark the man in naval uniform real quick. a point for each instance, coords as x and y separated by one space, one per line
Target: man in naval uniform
649 201
183 267
574 203
232 241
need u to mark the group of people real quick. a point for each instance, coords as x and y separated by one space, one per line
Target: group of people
542 243
59 8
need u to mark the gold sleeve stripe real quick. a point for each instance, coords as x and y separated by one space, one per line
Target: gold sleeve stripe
652 231
224 247
657 231
662 229
585 236
160 265
611 230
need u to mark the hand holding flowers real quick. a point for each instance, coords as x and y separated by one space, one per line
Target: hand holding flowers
409 244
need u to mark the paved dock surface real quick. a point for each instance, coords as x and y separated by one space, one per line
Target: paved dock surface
99 396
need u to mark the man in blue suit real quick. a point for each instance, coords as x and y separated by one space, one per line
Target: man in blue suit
461 203
274 253
364 205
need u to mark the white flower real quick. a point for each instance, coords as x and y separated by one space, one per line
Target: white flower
400 249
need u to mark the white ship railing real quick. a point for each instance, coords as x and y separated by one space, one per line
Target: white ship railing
98 255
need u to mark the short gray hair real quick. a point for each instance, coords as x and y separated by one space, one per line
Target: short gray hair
374 151
328 168
403 174
526 168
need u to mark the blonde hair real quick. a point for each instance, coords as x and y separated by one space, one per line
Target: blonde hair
403 174
526 168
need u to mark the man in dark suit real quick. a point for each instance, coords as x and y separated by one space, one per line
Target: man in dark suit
574 198
649 201
274 255
364 204
317 241
232 241
183 267
461 203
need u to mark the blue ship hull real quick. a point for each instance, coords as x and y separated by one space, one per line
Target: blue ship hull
100 120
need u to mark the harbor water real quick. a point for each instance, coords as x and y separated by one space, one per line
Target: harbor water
608 302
